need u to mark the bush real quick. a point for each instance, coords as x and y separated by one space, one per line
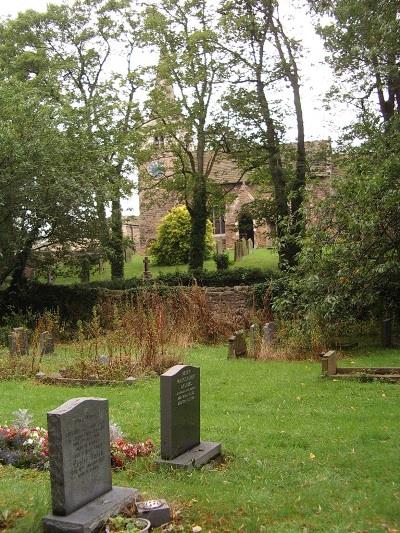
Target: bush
222 261
173 238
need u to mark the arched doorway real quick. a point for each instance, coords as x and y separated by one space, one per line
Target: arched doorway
246 227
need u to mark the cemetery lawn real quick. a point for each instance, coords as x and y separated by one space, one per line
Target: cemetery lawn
302 453
264 258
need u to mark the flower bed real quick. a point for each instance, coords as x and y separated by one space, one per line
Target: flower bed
27 447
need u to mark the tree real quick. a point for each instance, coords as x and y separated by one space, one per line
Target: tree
44 199
172 246
186 125
72 47
261 58
350 263
362 38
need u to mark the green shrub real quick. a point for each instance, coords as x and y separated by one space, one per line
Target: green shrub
173 238
222 261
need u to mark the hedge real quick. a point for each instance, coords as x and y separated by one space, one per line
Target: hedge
76 302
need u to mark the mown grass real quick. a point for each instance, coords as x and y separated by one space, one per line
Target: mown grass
264 258
302 453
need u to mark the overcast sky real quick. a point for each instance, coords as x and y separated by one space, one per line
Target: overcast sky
316 76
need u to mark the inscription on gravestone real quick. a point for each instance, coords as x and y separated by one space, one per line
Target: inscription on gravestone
180 410
79 450
180 420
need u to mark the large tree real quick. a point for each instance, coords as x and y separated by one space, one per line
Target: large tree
72 48
44 198
263 56
186 123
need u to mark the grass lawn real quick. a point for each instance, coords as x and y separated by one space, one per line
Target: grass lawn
261 258
302 453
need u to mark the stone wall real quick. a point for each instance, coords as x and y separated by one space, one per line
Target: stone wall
229 300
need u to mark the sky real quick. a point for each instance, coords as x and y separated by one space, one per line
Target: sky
316 75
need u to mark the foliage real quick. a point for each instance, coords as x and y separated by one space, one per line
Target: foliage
350 263
362 38
188 130
222 261
263 62
173 238
86 140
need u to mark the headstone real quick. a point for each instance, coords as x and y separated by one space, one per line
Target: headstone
250 246
254 338
387 332
269 333
238 252
180 420
104 359
329 363
220 247
231 347
46 343
244 246
80 468
146 266
240 344
19 342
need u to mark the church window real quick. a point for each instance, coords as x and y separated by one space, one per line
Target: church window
218 223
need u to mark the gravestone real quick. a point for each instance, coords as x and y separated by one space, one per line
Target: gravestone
220 248
329 363
46 343
146 266
19 342
387 332
238 252
240 344
250 246
269 333
237 345
254 338
231 347
245 246
180 420
80 468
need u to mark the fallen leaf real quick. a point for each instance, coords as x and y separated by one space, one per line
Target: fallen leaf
196 529
312 456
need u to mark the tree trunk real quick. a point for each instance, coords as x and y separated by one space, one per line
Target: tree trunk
116 241
199 225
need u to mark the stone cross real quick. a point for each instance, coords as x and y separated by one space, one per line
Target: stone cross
146 271
180 419
19 342
80 467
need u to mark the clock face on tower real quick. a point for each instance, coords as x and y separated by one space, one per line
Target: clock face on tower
156 169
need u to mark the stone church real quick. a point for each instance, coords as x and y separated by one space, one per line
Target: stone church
234 223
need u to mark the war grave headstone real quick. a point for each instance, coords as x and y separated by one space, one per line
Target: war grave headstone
180 420
19 342
80 468
46 343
